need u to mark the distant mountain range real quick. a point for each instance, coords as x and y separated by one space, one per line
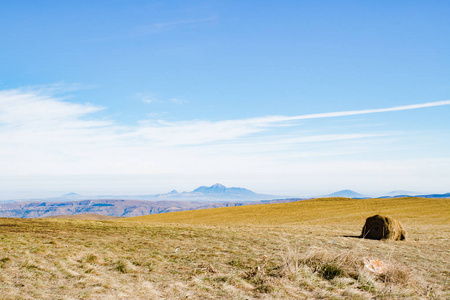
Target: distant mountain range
216 192
202 197
117 208
393 194
218 189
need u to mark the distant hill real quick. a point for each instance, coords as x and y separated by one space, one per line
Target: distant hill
447 195
431 196
347 194
402 193
72 195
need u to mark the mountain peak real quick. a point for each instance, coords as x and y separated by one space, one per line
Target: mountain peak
346 193
71 194
219 189
218 186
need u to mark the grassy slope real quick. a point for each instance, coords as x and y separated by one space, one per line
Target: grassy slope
84 217
323 211
216 255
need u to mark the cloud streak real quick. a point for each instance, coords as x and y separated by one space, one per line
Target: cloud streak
367 111
199 132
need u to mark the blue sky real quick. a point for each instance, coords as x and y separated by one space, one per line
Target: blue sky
141 97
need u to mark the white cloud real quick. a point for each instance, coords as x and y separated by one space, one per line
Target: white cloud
28 109
46 135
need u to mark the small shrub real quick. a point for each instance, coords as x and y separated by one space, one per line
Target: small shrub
265 288
221 279
120 266
90 258
262 285
236 263
150 266
330 270
5 260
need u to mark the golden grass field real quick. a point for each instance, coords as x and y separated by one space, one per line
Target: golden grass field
298 250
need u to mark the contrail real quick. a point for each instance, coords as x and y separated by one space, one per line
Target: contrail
368 111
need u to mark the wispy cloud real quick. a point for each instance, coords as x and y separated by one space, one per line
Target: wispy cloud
28 109
178 101
367 111
55 88
151 98
145 97
20 109
200 132
144 30
46 134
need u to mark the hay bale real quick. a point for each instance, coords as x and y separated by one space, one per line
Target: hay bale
383 228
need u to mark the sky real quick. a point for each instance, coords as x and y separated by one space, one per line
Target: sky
292 98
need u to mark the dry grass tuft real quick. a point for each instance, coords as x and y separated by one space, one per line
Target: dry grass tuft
330 265
345 270
396 274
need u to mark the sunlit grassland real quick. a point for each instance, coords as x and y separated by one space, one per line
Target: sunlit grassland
287 251
322 211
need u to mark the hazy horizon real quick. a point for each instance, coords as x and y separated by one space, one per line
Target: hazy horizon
43 194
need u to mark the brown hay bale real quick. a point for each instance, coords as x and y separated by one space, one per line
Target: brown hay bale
383 228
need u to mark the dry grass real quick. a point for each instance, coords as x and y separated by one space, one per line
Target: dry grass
79 259
323 211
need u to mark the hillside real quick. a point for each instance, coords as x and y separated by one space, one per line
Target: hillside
117 208
84 217
315 211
